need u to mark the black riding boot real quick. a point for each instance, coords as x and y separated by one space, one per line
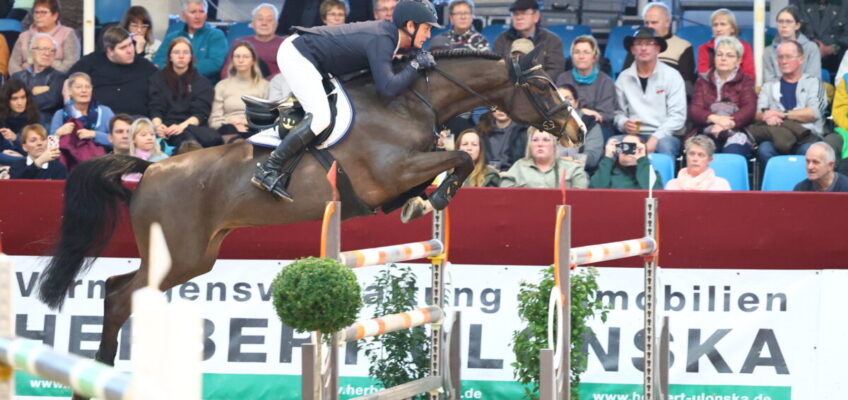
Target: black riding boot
268 174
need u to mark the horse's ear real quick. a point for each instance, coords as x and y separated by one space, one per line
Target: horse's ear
528 60
512 68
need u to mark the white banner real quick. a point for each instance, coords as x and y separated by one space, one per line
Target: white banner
743 333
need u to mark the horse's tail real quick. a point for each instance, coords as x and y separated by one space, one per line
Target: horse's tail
91 211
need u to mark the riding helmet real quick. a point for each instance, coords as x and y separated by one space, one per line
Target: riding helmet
417 11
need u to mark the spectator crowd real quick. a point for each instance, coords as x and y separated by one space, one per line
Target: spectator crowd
152 98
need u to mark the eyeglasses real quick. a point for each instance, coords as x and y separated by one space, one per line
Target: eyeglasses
139 26
44 50
644 44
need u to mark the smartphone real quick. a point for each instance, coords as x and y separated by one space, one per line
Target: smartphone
626 147
52 142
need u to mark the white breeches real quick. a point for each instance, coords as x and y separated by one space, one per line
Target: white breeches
306 84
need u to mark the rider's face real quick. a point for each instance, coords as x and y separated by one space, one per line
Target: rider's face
422 35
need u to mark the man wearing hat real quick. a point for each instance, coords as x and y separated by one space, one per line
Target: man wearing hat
651 96
525 24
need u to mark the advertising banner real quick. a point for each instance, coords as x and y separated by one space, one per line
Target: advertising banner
736 334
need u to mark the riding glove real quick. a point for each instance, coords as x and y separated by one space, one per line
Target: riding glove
424 60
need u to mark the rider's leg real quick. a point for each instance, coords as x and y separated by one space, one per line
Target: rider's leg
306 84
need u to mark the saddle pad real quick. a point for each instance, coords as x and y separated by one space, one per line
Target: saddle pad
344 118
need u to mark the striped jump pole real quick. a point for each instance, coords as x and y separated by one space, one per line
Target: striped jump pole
391 254
392 323
612 251
86 377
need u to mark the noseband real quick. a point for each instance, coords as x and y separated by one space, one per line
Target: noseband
521 79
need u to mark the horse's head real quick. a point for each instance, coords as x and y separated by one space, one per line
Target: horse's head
535 100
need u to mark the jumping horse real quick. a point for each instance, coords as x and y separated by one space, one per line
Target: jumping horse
201 196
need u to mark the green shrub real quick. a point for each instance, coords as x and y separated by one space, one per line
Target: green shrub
316 294
533 308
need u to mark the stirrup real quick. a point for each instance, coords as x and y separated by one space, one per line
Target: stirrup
274 186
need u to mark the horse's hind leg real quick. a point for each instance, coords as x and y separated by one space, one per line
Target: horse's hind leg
423 166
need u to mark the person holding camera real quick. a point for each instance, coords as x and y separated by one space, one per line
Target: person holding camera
541 168
624 166
118 73
41 161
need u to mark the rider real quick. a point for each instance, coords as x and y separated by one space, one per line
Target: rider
305 56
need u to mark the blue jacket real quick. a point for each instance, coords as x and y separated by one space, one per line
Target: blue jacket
349 48
209 46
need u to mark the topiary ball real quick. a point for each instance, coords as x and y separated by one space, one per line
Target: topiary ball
316 294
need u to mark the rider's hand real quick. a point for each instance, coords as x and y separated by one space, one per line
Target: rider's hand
425 60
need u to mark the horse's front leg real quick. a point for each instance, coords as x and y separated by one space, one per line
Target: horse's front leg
435 163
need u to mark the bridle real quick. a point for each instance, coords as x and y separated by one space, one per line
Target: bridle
520 79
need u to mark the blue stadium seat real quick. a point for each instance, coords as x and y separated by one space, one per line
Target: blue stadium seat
492 32
784 172
664 165
567 33
825 75
239 30
732 167
697 35
615 51
10 25
110 10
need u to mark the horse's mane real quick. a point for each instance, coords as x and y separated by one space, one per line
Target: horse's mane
448 54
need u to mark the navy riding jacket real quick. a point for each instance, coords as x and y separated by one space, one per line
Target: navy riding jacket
348 48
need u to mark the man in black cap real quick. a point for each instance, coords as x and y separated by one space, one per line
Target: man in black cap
525 24
651 96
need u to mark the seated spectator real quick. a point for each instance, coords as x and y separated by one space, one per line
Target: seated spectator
820 174
45 19
541 168
44 81
383 9
264 41
82 116
593 143
138 22
462 35
790 117
594 88
42 161
208 43
625 166
279 88
333 12
723 23
244 79
723 116
483 175
143 141
789 28
505 140
181 100
521 47
651 96
525 24
698 175
824 22
17 109
679 55
119 74
119 133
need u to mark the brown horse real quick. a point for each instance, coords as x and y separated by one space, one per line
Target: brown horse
199 197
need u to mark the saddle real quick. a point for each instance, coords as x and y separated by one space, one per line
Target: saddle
273 119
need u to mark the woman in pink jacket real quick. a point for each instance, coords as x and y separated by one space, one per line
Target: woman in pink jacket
698 175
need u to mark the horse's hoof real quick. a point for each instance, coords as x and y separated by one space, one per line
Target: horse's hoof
415 208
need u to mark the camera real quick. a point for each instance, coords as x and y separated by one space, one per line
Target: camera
626 147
